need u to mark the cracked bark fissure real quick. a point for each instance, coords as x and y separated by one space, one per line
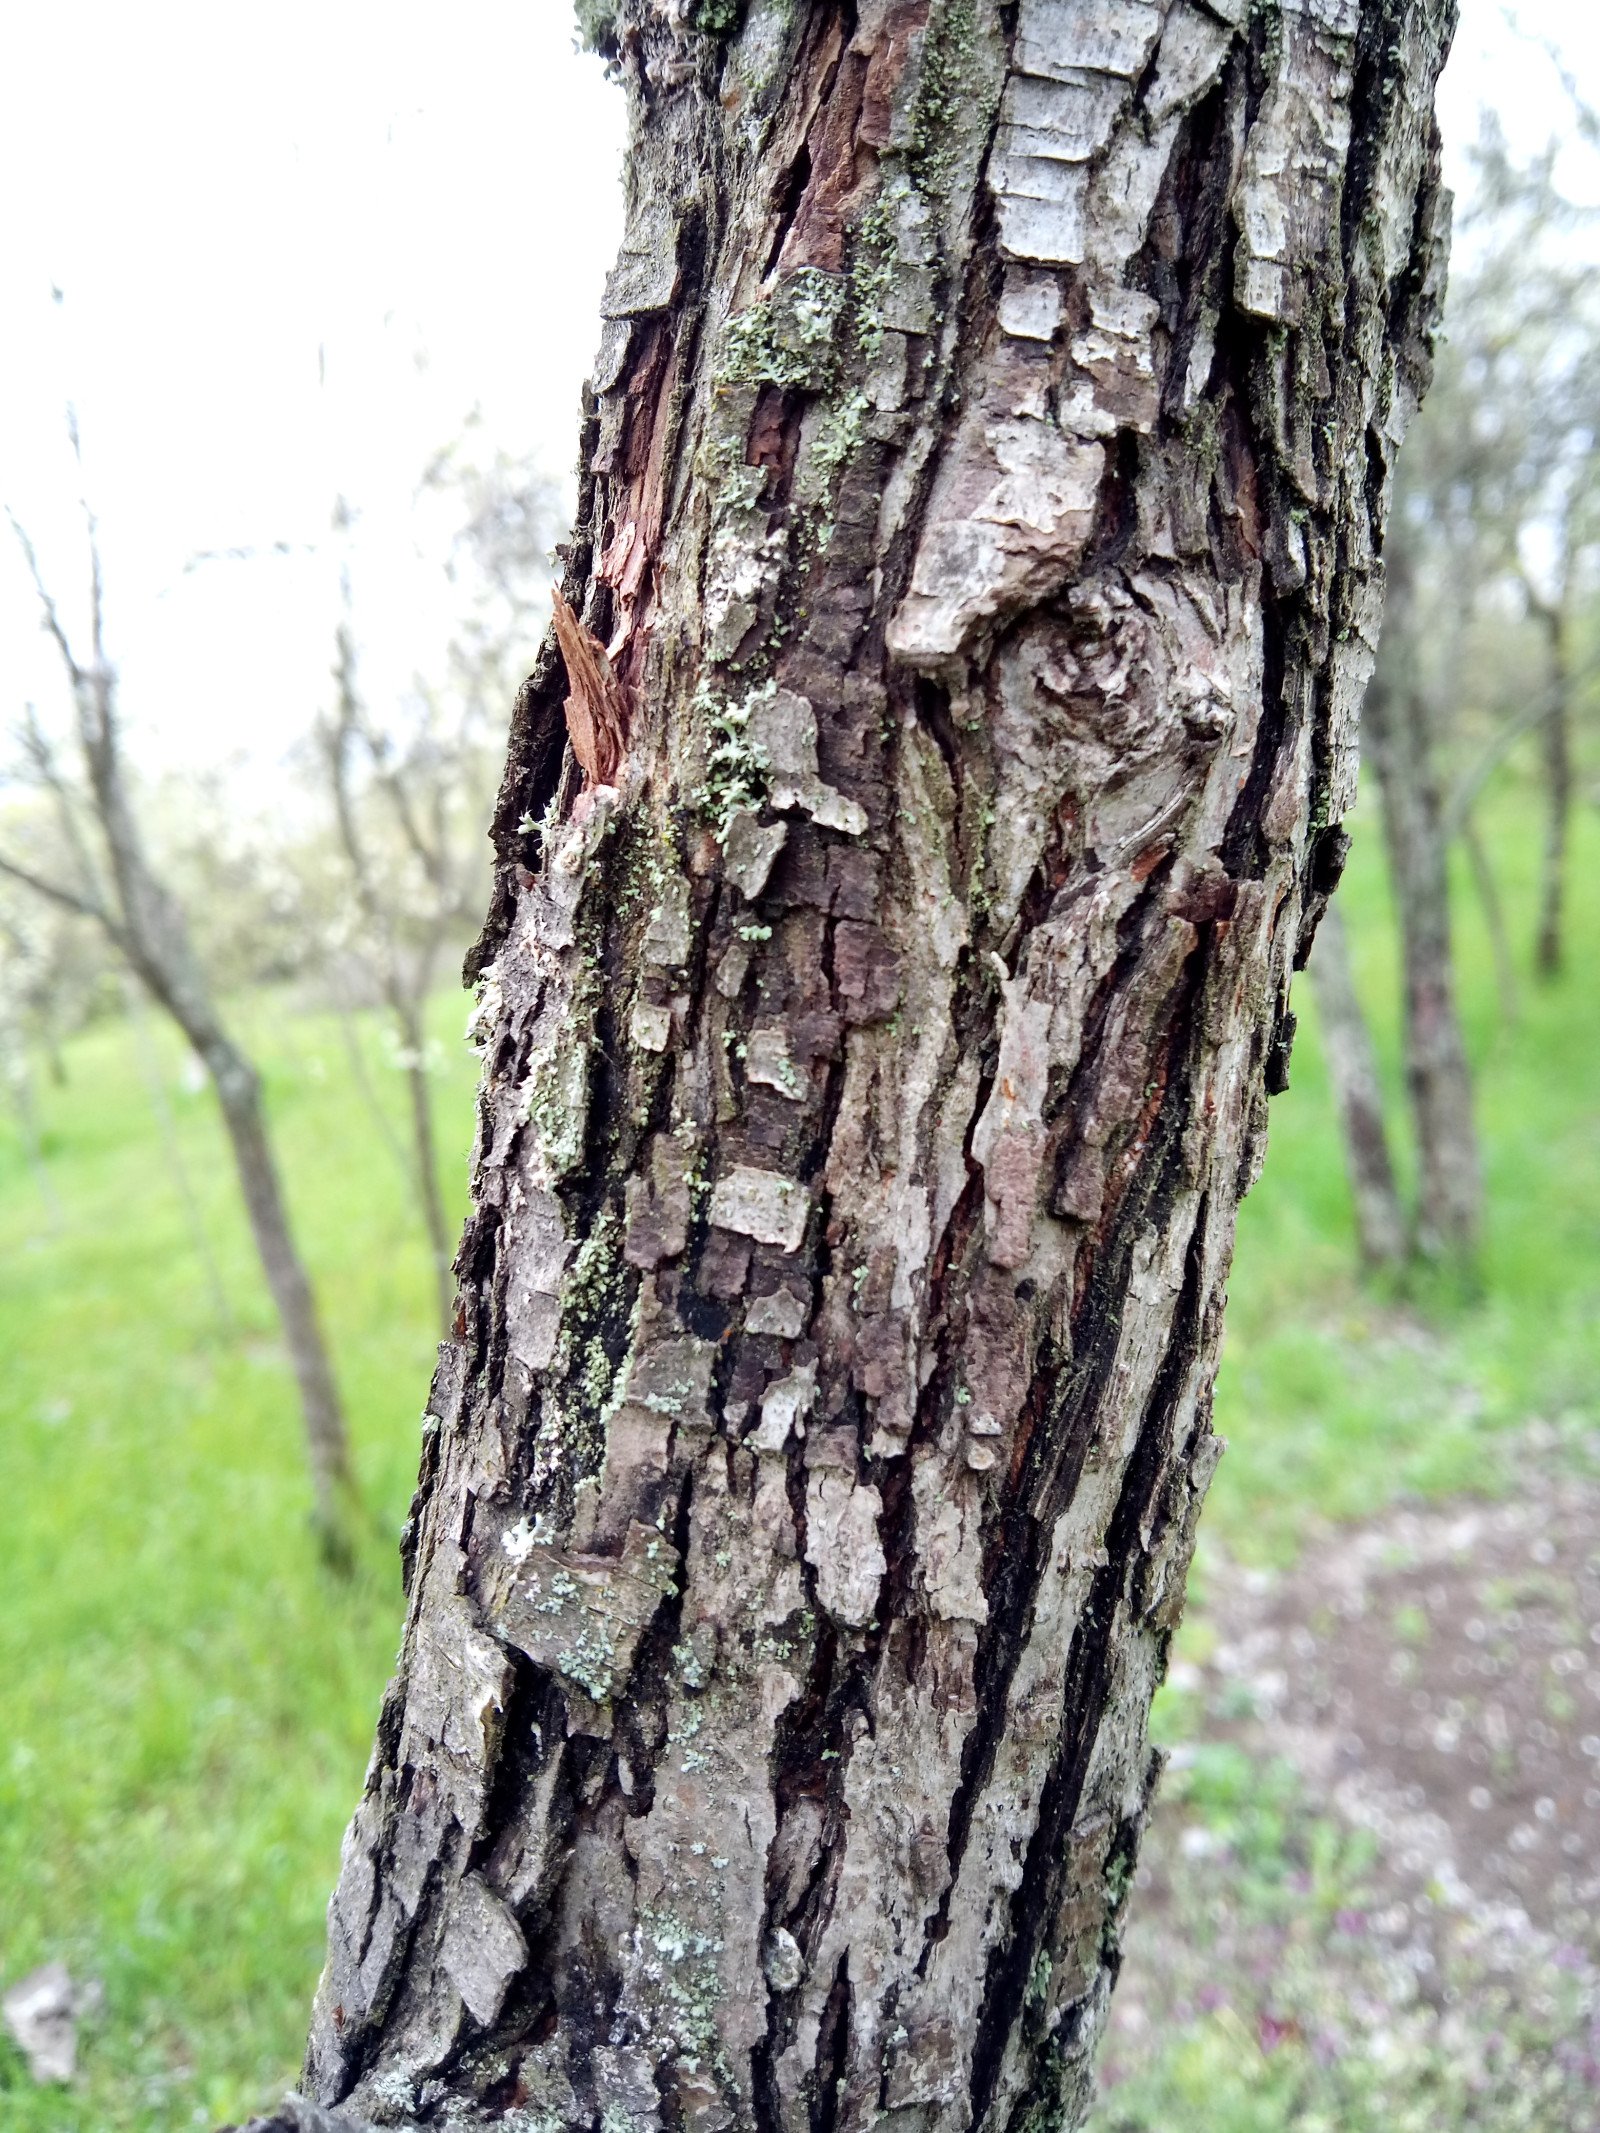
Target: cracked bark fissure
984 478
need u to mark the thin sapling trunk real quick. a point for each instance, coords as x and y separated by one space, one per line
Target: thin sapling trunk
1358 1092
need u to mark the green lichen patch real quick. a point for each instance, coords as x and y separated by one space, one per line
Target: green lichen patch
597 1315
874 255
789 338
944 94
832 443
735 773
555 1103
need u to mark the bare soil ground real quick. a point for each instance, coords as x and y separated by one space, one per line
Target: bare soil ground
1370 1894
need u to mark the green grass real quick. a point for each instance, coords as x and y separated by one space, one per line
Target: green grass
1278 2005
186 1700
1335 1399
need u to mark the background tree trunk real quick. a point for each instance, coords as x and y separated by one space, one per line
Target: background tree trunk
134 1007
156 941
972 596
1353 1070
1494 918
19 1079
149 929
1556 740
1397 731
405 981
238 1087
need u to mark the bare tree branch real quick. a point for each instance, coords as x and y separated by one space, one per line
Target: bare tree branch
428 856
405 991
64 897
151 931
52 615
1469 788
42 756
91 525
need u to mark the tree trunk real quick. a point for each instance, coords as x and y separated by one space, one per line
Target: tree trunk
1397 728
414 1038
16 1072
405 992
154 936
357 1057
1556 742
149 929
1353 1070
1494 918
970 605
133 1001
238 1088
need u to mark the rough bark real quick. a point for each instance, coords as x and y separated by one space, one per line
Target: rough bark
1398 730
1353 1070
978 574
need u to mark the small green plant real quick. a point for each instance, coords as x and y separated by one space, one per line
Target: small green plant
735 774
597 25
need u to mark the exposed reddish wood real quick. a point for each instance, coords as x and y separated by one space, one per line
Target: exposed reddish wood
629 557
816 236
596 707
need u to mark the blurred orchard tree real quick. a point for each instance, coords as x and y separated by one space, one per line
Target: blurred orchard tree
370 892
107 875
1496 539
411 780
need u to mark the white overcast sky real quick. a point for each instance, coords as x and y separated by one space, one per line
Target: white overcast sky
297 245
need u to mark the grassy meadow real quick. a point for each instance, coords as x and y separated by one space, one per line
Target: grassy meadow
186 1698
1336 1399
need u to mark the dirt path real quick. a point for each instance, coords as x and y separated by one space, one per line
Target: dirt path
1371 1890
